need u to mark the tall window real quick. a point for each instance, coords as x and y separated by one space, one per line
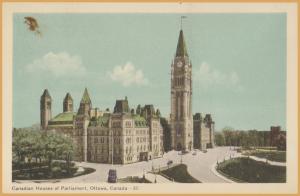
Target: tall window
178 130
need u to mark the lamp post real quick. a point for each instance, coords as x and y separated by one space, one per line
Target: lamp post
112 148
181 158
152 165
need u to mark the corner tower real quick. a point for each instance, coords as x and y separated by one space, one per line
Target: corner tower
82 122
181 98
68 103
45 109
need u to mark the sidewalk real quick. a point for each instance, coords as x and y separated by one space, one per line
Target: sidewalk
159 178
265 160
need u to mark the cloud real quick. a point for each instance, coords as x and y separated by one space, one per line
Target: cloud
128 75
58 64
207 76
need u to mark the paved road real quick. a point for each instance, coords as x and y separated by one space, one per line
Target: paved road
199 166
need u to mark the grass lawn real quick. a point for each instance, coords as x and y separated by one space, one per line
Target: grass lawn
42 172
249 170
180 174
133 179
279 156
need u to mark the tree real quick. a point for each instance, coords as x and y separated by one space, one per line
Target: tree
58 146
41 146
228 135
253 138
24 144
219 139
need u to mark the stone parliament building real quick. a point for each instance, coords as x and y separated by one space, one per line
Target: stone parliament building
126 135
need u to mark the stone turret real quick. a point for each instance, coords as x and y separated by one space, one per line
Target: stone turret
122 106
82 123
68 103
85 104
45 109
149 111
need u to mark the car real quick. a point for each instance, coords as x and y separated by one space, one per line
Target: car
205 151
194 153
184 152
112 176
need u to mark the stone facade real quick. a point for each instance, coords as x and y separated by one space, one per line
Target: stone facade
181 98
120 137
203 131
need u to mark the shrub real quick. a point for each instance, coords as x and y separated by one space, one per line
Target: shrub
56 171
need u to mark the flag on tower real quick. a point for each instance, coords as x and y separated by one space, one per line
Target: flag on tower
182 17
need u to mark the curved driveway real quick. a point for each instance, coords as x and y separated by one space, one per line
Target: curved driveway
199 166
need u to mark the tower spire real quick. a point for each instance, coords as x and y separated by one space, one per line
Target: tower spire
181 47
85 97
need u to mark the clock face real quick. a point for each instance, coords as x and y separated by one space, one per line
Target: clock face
179 64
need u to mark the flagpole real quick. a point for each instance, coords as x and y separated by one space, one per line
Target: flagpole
181 17
181 23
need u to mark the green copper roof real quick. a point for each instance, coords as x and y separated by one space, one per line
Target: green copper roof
63 117
181 47
102 121
139 121
85 97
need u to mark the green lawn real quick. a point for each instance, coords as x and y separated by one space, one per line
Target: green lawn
180 174
133 179
248 170
273 155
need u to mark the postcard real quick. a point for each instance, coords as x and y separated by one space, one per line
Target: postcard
145 98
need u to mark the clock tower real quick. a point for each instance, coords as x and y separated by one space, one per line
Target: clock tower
181 98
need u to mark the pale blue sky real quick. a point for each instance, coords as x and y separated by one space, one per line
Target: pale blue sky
239 64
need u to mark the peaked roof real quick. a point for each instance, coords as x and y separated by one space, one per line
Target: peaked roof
68 97
102 121
85 98
181 47
121 106
46 93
